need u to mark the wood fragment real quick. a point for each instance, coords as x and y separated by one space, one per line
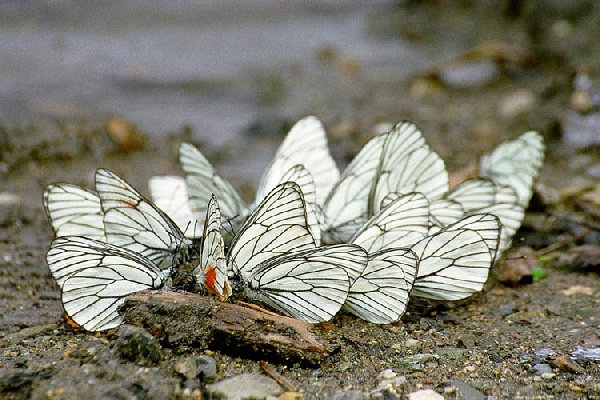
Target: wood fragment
282 380
181 321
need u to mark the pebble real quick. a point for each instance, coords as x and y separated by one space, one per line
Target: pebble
470 74
10 207
565 363
591 354
517 103
192 367
386 375
412 343
466 391
350 395
548 376
245 386
137 345
581 130
542 369
427 394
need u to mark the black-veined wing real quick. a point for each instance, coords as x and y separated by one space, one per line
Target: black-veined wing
73 211
346 207
474 194
202 181
507 208
95 278
401 223
443 212
408 164
453 265
381 293
305 144
310 285
488 226
212 269
277 225
516 163
134 223
169 193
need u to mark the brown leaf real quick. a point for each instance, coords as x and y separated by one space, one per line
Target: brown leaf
516 266
584 256
564 363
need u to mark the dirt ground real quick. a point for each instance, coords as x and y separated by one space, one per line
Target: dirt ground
521 74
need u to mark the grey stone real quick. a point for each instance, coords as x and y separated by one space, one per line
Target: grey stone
349 395
245 386
207 368
427 394
466 391
542 369
137 345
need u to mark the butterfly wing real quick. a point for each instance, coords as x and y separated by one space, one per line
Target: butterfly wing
516 163
381 293
453 265
473 194
277 225
212 270
305 144
310 285
408 164
73 211
346 207
169 193
402 223
443 212
95 278
488 226
134 223
202 181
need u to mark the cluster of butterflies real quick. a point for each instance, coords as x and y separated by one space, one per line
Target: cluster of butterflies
315 240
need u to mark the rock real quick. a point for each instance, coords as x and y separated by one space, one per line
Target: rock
137 345
207 368
581 130
528 316
548 376
412 343
466 391
517 103
289 396
427 394
542 369
10 207
350 395
386 375
590 354
416 361
245 386
564 363
470 74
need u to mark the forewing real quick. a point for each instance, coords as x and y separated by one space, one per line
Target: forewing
473 194
212 270
347 206
73 211
202 181
444 212
134 223
488 226
381 293
277 225
408 164
402 223
453 265
101 277
516 163
169 193
310 285
305 144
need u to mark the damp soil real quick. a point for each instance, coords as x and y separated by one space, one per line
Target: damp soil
491 342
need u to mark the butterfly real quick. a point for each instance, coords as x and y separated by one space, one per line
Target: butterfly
95 277
134 223
304 146
73 211
397 162
169 193
275 257
212 269
516 163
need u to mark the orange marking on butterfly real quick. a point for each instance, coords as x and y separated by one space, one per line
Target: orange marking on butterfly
210 279
71 323
129 203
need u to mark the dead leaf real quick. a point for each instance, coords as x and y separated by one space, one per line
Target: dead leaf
516 266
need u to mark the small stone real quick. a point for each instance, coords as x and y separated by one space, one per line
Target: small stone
400 380
137 345
541 369
245 386
470 74
528 316
187 367
564 363
548 376
427 394
207 368
577 290
289 396
517 103
590 354
350 395
466 391
412 343
386 375
10 207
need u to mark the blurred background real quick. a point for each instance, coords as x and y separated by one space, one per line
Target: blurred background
232 76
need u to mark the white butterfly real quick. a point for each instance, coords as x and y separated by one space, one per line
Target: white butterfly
212 269
305 146
516 163
95 277
169 193
397 162
275 257
454 263
381 293
134 223
74 211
